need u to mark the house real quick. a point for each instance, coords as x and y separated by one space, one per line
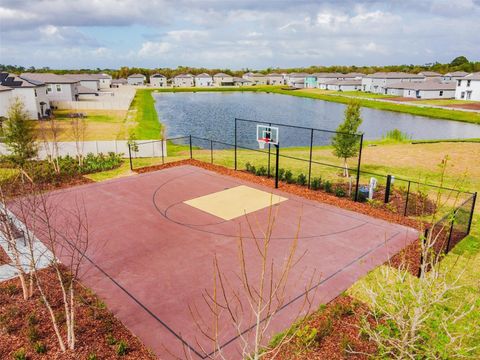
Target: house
324 78
377 83
203 80
86 80
275 79
116 83
453 76
136 79
296 80
430 74
104 80
310 81
238 81
468 87
183 80
430 89
32 93
255 78
5 100
344 85
222 79
59 87
158 80
354 75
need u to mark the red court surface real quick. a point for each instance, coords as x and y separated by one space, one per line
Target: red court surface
151 255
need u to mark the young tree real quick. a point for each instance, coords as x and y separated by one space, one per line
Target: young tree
345 142
79 130
19 134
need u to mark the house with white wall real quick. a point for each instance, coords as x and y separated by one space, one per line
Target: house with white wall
32 93
255 78
238 81
59 87
87 80
454 76
377 83
183 80
222 79
104 80
203 80
5 100
136 79
158 80
430 74
296 80
343 85
275 79
429 89
468 87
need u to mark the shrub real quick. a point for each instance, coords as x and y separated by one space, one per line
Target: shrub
261 171
289 177
20 354
340 310
248 166
92 356
339 192
306 335
316 183
327 185
40 348
32 319
253 170
32 334
281 174
325 328
301 179
122 348
111 340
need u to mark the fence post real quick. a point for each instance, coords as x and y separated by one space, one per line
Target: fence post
387 188
310 161
235 136
425 235
358 167
269 150
130 156
211 151
447 249
191 152
276 165
406 199
163 155
471 212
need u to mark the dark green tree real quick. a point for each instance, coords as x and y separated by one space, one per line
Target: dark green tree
19 134
459 60
346 141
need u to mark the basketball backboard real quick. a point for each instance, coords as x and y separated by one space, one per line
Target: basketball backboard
267 135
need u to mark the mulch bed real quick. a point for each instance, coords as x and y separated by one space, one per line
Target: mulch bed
4 258
24 323
338 334
17 188
472 106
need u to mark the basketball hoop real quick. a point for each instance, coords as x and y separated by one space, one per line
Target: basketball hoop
261 144
266 135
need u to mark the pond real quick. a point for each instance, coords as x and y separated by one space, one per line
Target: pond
212 115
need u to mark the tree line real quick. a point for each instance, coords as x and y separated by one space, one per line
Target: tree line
460 63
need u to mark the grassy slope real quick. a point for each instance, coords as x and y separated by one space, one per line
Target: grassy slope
147 125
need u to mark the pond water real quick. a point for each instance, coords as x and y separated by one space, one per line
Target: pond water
212 115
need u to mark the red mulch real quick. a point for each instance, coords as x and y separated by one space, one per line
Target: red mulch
338 334
26 322
4 259
471 106
16 188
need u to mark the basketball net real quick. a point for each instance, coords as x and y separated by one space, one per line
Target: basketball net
261 144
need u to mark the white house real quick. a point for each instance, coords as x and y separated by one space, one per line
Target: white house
238 81
430 89
203 80
59 87
377 83
116 83
430 74
468 87
184 80
136 79
275 79
343 85
296 80
104 80
87 80
222 79
158 80
255 78
453 76
32 93
5 99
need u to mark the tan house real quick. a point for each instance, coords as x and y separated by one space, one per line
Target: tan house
222 79
275 79
255 78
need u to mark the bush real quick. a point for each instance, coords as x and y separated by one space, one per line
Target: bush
20 354
339 192
328 186
122 348
316 183
32 334
40 348
111 340
302 179
289 177
261 171
325 328
92 356
248 166
253 170
281 174
306 335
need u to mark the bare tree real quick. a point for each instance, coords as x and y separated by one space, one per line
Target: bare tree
249 302
405 308
49 133
79 130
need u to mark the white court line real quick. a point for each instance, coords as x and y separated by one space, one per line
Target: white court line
43 257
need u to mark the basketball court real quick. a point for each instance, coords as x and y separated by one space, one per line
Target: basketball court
153 238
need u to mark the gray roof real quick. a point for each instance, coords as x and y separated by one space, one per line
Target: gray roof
184 76
48 78
456 74
85 90
429 73
424 85
344 82
222 75
394 75
204 76
472 76
297 75
137 76
327 75
274 74
13 81
158 76
82 77
241 80
119 81
5 88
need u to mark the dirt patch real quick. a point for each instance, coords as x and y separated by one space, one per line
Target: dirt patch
4 258
331 333
472 106
400 98
26 324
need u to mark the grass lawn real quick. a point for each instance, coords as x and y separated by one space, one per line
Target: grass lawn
444 102
361 94
142 116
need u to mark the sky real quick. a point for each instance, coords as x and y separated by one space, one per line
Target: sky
236 34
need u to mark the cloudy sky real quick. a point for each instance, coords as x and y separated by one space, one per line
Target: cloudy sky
236 33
